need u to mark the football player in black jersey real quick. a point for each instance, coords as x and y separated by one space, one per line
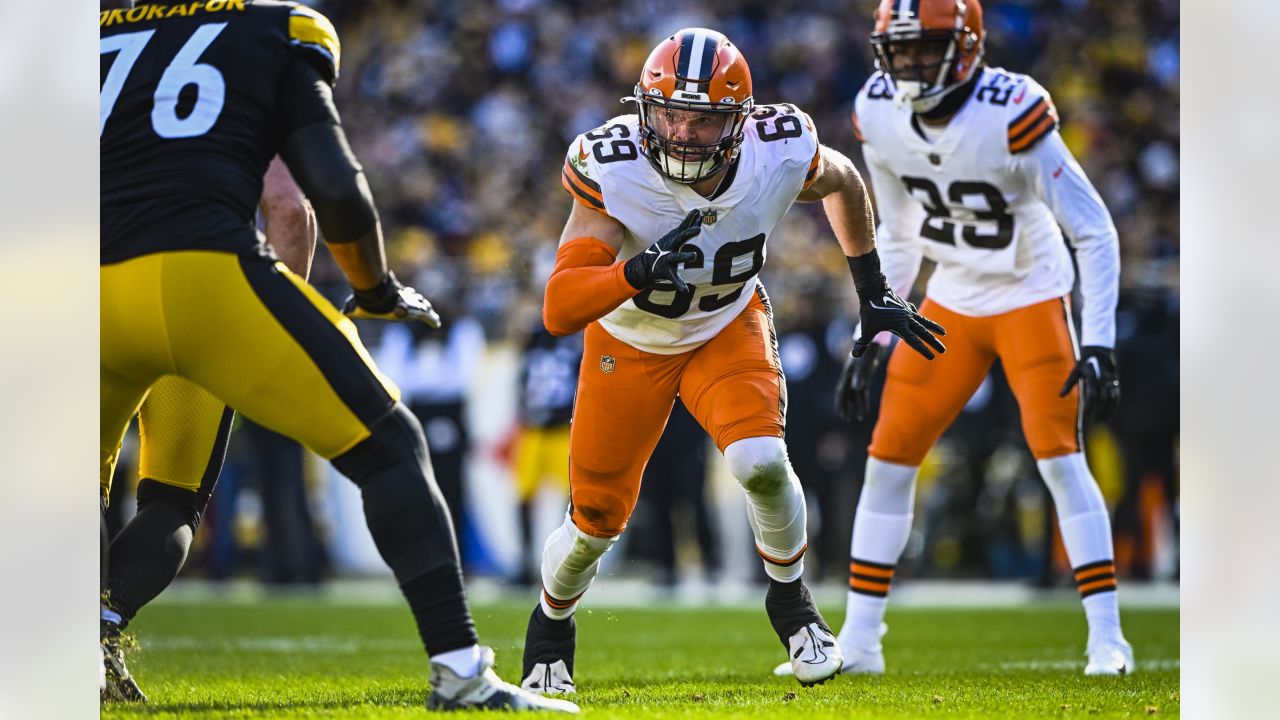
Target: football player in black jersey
196 98
183 431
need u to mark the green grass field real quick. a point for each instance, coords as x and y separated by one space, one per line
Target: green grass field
297 658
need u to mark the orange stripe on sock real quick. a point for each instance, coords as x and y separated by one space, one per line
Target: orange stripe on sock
860 569
1091 574
1098 585
871 585
1093 568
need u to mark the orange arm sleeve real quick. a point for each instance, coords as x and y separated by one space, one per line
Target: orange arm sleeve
585 285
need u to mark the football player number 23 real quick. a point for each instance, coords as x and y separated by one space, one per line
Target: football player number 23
183 71
938 225
722 273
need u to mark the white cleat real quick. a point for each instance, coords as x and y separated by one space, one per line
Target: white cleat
815 655
857 661
485 691
1110 657
551 679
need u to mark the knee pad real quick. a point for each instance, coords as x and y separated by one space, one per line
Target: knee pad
574 549
760 464
192 503
396 438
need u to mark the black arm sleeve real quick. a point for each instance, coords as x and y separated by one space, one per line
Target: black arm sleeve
315 149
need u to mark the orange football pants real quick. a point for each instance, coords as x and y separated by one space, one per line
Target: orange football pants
1036 346
733 386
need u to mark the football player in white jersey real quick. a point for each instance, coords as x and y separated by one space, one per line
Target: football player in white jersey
658 262
969 171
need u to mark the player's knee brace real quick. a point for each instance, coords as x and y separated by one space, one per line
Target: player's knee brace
403 507
574 550
760 465
570 559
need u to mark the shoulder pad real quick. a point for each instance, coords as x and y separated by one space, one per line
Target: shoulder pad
576 174
315 39
785 122
610 150
1031 114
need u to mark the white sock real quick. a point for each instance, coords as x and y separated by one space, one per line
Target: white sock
1086 533
775 504
465 661
1102 610
570 560
881 527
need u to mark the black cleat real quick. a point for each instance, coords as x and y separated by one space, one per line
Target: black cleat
549 647
812 649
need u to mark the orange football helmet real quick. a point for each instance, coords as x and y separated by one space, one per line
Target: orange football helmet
694 97
928 47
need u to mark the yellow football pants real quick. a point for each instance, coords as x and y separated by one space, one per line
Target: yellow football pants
254 335
182 432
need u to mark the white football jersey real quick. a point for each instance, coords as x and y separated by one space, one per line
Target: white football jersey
983 198
604 170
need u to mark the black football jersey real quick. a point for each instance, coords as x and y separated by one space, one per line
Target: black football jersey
195 100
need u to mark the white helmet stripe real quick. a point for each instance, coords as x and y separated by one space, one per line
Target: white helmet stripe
700 40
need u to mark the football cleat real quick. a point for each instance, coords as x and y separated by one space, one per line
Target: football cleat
119 685
814 654
485 691
859 659
549 679
549 647
1111 657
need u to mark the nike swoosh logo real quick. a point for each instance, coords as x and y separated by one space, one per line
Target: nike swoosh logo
582 155
1057 173
1018 100
883 307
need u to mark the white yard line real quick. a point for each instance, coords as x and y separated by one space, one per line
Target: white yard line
636 593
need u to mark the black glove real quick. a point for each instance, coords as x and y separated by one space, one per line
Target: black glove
881 309
853 393
390 300
1095 371
658 263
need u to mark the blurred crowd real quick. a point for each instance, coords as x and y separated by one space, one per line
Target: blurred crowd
461 111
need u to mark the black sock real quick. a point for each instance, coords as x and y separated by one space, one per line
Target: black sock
561 626
439 606
790 607
148 553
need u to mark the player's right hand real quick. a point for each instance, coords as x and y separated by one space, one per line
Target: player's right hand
391 300
853 393
659 263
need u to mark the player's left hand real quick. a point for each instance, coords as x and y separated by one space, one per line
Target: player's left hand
1099 382
391 300
853 393
887 311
